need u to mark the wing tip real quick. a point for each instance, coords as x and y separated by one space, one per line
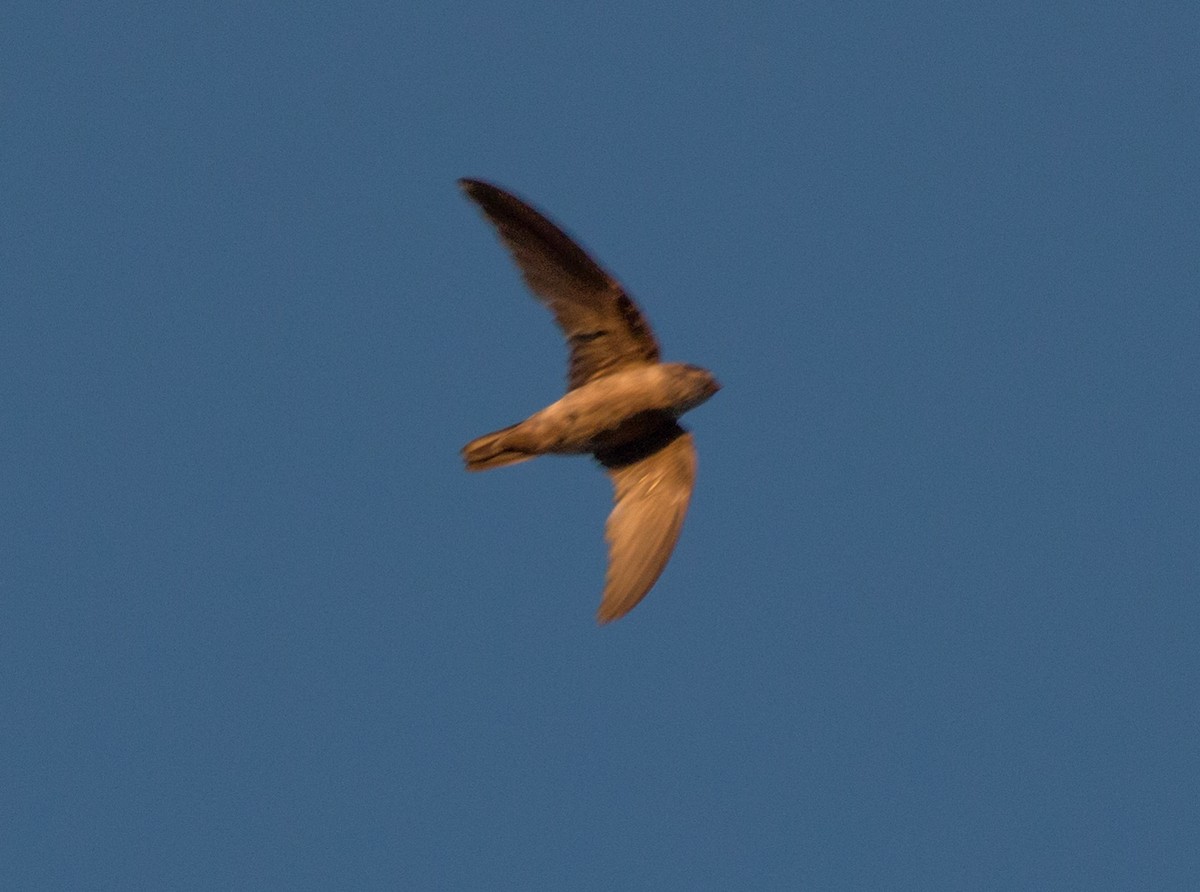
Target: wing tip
472 187
613 608
606 615
479 189
496 203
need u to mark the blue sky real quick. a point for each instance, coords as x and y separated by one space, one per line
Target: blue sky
933 619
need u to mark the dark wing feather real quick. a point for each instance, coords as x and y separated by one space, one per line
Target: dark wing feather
652 485
603 326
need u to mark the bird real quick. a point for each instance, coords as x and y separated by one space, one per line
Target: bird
621 406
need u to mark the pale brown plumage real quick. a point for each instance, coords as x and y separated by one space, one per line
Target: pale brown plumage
621 403
650 501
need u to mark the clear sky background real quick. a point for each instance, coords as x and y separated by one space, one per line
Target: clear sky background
933 621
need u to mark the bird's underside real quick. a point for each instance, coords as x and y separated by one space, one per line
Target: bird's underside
621 403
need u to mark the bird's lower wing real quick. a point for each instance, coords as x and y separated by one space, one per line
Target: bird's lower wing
651 497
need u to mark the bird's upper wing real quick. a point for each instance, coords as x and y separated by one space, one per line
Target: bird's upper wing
603 326
652 482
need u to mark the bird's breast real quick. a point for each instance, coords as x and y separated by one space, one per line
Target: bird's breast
602 413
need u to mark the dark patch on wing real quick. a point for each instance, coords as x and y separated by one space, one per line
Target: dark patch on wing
603 326
632 317
642 435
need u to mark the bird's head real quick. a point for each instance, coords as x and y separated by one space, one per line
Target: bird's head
692 385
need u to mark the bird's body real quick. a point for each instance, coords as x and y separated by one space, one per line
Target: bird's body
621 404
602 415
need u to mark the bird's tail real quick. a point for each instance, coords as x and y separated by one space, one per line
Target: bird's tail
494 450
